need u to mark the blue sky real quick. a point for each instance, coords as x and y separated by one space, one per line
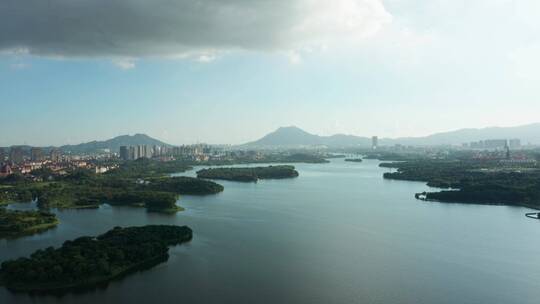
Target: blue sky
364 67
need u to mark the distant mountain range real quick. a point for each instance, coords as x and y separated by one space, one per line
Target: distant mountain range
113 144
296 137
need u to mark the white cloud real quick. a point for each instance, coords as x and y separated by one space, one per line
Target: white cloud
294 57
206 58
124 63
326 21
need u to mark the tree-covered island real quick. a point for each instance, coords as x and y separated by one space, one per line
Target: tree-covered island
20 223
248 174
354 160
87 262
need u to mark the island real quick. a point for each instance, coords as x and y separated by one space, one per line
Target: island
354 160
249 174
87 262
472 181
302 158
185 185
15 223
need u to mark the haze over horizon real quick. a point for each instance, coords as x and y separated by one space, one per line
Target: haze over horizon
392 68
491 134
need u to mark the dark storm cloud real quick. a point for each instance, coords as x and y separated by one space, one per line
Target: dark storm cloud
133 28
143 27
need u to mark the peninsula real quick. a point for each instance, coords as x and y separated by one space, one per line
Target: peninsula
472 182
87 262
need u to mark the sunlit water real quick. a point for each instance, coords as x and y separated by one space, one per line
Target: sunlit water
339 233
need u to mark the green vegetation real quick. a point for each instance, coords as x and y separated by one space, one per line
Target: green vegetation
302 158
185 185
9 193
141 183
478 182
145 168
394 156
270 158
249 174
334 155
152 200
88 261
354 160
19 223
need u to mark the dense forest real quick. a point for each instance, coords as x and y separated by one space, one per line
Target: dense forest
249 174
18 223
144 168
185 185
88 261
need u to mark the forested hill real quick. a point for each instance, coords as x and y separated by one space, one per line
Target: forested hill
114 144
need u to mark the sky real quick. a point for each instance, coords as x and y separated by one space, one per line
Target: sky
230 71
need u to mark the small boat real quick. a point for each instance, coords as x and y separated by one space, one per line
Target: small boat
534 215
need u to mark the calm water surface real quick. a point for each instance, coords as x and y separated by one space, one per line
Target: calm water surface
337 234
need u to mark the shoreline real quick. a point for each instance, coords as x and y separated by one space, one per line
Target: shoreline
90 283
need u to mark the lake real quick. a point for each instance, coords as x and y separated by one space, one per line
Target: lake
339 233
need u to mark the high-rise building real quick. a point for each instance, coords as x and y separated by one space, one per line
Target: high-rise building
124 153
144 151
133 153
140 152
514 143
495 143
36 154
16 155
165 151
55 155
374 142
2 155
147 151
156 151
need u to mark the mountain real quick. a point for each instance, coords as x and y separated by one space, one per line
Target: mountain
526 133
295 137
113 144
288 136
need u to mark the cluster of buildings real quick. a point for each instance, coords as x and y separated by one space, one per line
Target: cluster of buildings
493 144
26 160
140 151
198 152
